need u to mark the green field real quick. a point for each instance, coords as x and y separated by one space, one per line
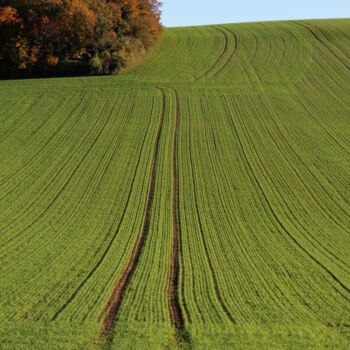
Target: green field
199 200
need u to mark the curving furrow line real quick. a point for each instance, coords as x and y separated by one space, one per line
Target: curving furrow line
333 44
331 197
16 125
325 130
108 247
267 253
312 32
40 165
177 220
37 202
275 216
266 46
272 137
228 60
7 108
176 314
175 309
29 160
345 38
110 311
240 240
93 179
212 270
306 167
65 185
328 74
101 244
94 182
295 219
43 160
51 288
249 69
283 50
312 82
216 62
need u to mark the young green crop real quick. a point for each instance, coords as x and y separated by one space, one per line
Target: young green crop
198 200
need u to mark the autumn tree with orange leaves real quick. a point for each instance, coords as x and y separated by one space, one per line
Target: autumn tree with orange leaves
104 35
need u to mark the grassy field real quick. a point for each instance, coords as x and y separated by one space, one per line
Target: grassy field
200 200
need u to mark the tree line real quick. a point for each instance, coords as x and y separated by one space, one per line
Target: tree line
99 36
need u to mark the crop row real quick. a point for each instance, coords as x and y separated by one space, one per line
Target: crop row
200 197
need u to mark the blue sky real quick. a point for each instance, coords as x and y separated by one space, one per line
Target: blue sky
197 12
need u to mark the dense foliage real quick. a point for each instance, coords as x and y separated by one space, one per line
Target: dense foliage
104 34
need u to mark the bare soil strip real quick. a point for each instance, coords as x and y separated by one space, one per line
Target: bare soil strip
176 314
177 319
110 311
106 250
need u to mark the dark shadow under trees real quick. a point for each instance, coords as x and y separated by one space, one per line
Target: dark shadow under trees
74 37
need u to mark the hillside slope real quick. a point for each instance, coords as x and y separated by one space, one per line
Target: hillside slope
200 200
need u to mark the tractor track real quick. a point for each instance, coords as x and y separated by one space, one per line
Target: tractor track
111 309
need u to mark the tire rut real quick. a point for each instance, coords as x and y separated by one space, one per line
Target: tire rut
105 252
230 56
177 319
218 59
110 312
